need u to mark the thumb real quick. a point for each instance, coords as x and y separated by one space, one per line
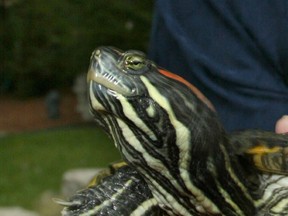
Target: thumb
282 125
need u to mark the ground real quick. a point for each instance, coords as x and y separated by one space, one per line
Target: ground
30 115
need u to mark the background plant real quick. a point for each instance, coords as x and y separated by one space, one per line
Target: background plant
45 44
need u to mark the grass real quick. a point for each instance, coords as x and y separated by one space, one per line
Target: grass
31 163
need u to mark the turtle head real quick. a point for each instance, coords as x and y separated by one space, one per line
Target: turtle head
118 97
114 71
149 112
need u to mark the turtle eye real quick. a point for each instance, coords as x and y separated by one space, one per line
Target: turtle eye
135 64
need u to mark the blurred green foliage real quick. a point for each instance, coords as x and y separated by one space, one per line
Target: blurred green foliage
44 44
32 163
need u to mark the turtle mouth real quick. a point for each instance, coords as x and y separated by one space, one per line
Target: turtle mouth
109 81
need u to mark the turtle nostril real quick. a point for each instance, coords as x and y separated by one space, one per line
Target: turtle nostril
97 52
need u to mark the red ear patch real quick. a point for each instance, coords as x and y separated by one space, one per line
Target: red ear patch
189 85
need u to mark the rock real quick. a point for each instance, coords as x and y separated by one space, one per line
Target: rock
45 204
16 211
77 179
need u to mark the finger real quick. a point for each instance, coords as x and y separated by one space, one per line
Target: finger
282 125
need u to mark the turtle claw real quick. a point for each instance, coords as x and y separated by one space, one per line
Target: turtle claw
66 203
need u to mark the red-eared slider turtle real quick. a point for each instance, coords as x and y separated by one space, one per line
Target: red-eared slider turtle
180 159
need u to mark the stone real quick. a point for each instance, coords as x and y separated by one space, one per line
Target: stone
45 204
77 179
16 211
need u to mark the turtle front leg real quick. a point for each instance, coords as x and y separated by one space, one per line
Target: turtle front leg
124 193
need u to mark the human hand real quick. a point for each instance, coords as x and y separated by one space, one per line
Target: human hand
282 125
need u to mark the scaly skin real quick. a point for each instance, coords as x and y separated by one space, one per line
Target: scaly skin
167 131
124 193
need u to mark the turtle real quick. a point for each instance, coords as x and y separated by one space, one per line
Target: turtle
179 160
